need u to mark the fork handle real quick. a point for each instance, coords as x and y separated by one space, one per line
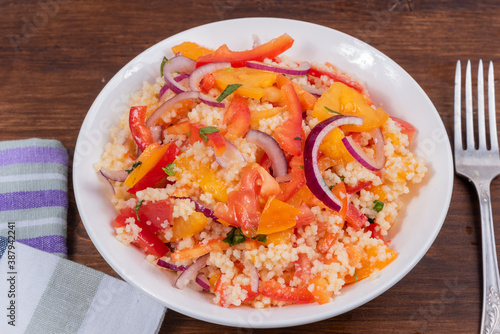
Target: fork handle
490 322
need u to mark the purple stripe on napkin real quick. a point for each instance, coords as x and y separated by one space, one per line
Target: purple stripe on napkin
48 243
33 199
35 154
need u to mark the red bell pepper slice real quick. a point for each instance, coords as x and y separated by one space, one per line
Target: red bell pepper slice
140 132
274 290
289 134
269 50
207 83
337 77
237 117
156 173
157 213
375 234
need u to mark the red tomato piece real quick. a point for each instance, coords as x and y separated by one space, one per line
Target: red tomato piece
289 135
375 234
207 83
355 218
358 187
306 216
274 290
406 128
298 179
303 268
215 139
157 213
146 239
269 50
237 117
156 173
140 132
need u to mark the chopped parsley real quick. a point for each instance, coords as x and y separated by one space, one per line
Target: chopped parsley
165 60
378 205
134 166
234 237
207 130
170 169
332 111
228 91
136 209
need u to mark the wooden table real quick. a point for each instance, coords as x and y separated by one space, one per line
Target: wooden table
56 56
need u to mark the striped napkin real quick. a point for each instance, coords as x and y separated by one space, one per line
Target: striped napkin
42 292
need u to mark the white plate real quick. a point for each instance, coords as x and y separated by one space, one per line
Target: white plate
389 85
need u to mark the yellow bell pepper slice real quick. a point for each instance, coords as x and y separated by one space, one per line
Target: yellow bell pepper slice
340 98
191 50
277 216
151 155
253 81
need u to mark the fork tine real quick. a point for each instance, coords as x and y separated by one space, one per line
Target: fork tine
480 106
492 109
458 108
469 118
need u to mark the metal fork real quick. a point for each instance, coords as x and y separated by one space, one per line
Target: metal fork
481 166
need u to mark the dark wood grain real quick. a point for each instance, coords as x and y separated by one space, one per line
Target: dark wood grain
56 56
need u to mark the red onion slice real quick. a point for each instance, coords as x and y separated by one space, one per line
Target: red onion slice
313 90
156 133
164 89
109 187
314 179
284 178
208 100
375 163
191 271
198 74
179 64
168 104
230 154
272 149
303 68
202 280
119 175
170 266
254 277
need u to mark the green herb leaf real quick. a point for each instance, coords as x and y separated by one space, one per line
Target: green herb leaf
136 209
134 166
371 220
234 237
228 91
260 238
355 276
170 169
332 111
207 130
342 178
378 205
298 138
301 166
330 187
165 60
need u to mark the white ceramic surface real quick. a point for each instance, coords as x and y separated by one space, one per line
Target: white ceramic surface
390 87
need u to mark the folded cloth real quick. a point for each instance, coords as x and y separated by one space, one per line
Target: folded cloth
47 293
